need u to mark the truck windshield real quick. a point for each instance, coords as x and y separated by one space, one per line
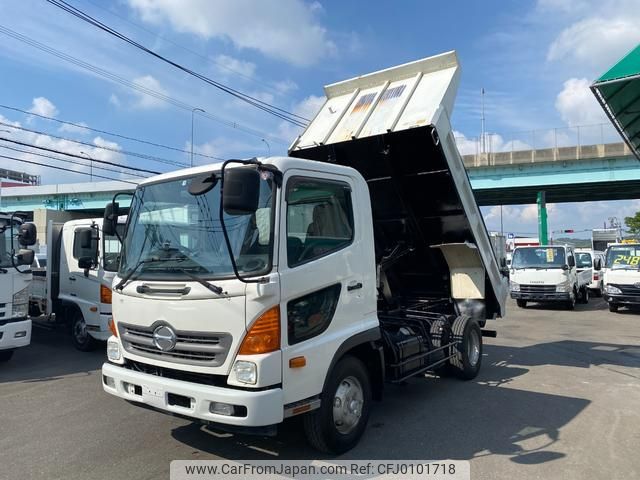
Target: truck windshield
623 257
537 257
583 260
5 244
178 234
111 250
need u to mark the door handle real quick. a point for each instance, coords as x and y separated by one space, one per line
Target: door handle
354 286
73 279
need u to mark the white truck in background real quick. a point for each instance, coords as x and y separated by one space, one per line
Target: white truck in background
75 286
255 290
622 276
15 277
549 273
587 258
601 238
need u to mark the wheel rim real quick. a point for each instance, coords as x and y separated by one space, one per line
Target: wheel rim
80 331
473 348
347 405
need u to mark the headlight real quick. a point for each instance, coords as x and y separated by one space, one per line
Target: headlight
20 305
113 350
563 287
515 287
612 289
246 372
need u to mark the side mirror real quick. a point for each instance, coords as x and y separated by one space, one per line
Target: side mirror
597 264
565 267
85 263
85 236
241 191
503 263
110 218
571 262
27 234
25 257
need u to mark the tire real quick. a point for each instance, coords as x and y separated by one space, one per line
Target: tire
5 355
467 355
571 303
79 334
522 303
613 307
336 427
584 298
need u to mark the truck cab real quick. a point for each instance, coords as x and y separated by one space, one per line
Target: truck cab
15 278
586 259
549 273
622 275
75 287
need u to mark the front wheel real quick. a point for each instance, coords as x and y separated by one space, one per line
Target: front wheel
522 303
338 424
5 355
584 298
79 333
571 303
613 307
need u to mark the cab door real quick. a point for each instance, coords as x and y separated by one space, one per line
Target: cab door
323 275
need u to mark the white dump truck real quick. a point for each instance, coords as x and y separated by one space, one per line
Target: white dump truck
622 276
75 286
549 273
254 290
15 278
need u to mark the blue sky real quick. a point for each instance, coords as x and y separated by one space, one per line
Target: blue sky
535 60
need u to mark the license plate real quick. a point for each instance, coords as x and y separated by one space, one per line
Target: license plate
152 392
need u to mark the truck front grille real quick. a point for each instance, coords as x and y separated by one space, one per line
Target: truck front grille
627 289
193 348
538 288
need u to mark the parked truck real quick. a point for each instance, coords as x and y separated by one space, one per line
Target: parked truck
75 287
601 238
594 260
15 277
622 276
255 290
549 273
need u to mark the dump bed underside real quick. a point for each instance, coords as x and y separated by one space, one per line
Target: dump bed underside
415 206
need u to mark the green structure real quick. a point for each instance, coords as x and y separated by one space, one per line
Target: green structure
543 236
618 91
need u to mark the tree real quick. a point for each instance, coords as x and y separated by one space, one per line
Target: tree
633 224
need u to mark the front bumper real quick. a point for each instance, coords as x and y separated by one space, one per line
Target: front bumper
15 334
622 299
263 407
542 297
101 331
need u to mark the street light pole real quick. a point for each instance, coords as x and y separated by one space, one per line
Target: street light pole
90 165
268 146
193 111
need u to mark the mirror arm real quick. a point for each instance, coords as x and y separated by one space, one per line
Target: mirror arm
222 224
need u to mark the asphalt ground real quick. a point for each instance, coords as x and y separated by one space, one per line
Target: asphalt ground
558 396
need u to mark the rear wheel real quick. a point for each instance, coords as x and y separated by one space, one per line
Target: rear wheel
5 355
338 424
79 333
522 303
613 307
467 354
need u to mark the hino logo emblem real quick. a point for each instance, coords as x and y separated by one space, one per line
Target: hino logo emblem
164 338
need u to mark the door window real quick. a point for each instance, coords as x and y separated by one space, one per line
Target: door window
319 219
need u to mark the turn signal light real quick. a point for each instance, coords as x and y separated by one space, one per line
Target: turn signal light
112 327
105 294
264 334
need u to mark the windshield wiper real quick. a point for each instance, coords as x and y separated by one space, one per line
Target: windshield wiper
210 286
128 276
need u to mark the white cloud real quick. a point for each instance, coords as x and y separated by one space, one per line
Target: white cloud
77 128
577 105
306 108
145 101
285 86
596 42
287 29
43 106
226 64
